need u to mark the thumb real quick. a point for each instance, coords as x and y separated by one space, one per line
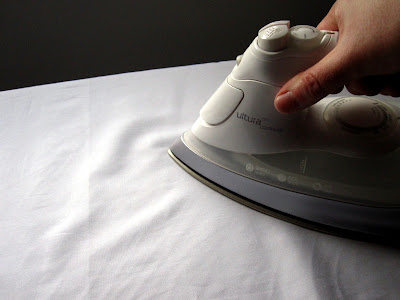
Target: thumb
326 77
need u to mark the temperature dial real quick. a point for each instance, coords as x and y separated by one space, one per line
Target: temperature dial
360 116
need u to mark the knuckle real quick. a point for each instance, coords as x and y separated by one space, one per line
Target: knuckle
312 84
391 91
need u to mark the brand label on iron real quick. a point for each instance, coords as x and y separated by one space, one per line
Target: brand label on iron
262 123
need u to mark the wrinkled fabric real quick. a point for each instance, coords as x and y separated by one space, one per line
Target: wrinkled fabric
91 205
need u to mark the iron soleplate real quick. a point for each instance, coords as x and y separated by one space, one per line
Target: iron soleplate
213 176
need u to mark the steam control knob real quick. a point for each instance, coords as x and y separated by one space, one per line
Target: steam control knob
273 37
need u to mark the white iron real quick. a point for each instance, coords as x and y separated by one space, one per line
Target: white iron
332 167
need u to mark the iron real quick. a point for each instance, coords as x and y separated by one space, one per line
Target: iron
333 167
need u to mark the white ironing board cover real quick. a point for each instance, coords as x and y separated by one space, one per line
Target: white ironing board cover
91 205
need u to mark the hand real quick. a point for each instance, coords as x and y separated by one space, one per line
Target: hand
366 58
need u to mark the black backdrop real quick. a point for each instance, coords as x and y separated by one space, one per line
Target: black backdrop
57 40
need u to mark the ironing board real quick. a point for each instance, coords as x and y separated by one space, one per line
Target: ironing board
91 205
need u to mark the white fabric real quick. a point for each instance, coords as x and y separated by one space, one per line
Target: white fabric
91 205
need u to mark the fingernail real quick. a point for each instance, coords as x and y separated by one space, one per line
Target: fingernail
287 103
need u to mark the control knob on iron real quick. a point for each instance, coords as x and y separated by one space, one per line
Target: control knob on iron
305 37
361 116
273 37
277 36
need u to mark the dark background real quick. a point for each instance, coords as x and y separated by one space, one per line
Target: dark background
50 41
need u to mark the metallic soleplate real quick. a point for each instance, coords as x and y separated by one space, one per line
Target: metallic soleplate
385 237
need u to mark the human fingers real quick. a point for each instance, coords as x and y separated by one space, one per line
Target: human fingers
388 85
327 76
369 86
392 86
338 90
329 22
